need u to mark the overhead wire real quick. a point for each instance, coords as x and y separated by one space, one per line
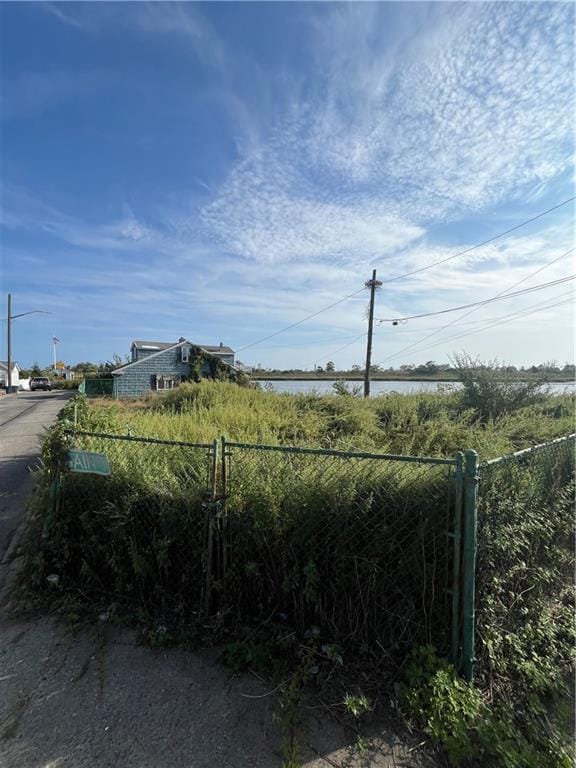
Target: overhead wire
299 322
309 342
475 309
470 322
508 318
407 274
335 351
523 292
479 245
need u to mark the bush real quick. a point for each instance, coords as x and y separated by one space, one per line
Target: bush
491 395
66 384
469 727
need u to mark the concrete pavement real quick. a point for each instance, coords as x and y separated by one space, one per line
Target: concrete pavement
100 700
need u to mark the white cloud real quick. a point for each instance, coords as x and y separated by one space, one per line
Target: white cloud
272 227
458 108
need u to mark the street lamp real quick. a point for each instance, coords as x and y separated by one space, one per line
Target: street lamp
9 319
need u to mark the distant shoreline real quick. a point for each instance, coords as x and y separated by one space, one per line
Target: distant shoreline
440 378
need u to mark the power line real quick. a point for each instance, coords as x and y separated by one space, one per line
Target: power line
509 318
311 342
479 245
524 291
470 322
475 309
304 319
408 274
335 351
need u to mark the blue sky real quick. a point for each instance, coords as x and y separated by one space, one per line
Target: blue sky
221 170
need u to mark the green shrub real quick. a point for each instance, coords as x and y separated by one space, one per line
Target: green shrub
489 394
469 727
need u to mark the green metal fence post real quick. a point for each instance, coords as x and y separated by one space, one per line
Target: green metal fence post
469 562
211 506
223 510
457 555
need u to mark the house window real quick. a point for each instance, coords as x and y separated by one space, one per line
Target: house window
185 354
162 383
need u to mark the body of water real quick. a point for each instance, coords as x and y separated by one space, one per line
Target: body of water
324 386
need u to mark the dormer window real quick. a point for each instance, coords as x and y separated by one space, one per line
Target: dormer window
185 352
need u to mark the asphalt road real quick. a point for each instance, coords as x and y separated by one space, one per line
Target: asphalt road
24 418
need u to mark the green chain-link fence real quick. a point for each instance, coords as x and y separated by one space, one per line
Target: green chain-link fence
354 544
524 559
96 387
140 533
377 553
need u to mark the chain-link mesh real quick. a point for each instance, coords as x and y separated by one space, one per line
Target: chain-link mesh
140 533
525 559
354 545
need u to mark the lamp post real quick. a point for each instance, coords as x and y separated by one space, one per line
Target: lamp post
9 319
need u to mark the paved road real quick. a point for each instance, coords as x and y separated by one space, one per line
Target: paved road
24 418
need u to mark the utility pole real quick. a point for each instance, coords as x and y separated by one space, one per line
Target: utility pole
9 318
9 347
372 284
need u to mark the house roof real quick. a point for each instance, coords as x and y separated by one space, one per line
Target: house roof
158 345
215 350
161 345
4 364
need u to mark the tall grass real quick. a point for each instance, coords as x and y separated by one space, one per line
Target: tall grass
416 424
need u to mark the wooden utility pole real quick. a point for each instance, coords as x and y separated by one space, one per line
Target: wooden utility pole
372 284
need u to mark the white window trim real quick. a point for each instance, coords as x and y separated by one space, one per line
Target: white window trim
172 381
185 354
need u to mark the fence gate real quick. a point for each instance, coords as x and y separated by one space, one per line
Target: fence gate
365 547
144 532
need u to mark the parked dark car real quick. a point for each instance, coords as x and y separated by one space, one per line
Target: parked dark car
40 382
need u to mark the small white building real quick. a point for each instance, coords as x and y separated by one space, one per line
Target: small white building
14 377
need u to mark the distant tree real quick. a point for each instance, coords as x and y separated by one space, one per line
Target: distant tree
36 370
330 367
319 369
86 369
356 367
427 368
118 360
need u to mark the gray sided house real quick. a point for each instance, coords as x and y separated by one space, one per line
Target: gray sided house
158 366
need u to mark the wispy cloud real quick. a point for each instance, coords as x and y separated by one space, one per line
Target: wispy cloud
400 131
57 10
155 19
